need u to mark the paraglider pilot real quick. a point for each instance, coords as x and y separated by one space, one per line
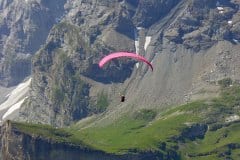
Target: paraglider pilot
122 98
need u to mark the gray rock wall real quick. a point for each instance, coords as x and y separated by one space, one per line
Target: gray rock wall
24 27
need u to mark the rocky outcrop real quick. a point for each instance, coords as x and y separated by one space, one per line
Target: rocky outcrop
24 26
149 12
203 23
58 89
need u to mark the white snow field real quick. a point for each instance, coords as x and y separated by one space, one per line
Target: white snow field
14 100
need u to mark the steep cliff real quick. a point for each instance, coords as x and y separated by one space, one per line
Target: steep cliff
24 26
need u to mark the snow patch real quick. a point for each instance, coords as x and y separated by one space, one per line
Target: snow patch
137 50
221 12
220 8
13 108
136 42
232 118
17 94
147 42
7 95
137 46
235 40
30 1
229 22
139 28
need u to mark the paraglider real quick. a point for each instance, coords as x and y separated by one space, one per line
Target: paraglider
111 56
123 54
122 98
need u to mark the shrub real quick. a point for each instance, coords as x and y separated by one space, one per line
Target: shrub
226 82
58 94
102 102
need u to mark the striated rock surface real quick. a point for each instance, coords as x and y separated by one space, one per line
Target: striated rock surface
24 26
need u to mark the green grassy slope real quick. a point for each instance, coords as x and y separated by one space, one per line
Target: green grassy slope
171 130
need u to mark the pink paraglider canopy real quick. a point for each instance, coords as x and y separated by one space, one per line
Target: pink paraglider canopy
123 54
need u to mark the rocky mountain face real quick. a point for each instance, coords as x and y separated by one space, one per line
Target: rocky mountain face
191 44
65 69
24 26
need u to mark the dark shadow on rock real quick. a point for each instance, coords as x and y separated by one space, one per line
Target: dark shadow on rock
114 72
